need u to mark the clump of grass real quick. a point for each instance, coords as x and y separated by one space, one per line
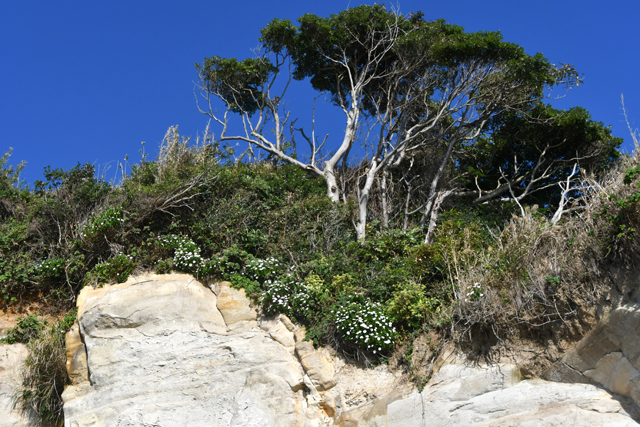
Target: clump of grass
45 375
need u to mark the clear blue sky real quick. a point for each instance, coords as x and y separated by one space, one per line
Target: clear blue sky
84 81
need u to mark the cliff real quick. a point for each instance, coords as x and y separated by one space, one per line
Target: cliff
171 351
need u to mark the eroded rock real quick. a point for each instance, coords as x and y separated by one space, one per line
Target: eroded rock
495 396
12 358
234 306
159 352
608 356
316 364
76 356
166 350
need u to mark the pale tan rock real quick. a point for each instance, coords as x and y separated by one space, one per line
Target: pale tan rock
287 323
299 334
332 402
609 355
615 373
76 356
493 396
159 353
316 365
12 359
281 334
278 330
234 305
358 385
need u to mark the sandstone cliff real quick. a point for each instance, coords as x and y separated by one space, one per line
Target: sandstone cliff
171 351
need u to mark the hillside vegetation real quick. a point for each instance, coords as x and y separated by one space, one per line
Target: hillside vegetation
501 270
478 232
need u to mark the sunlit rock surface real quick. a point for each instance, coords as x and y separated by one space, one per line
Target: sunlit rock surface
12 358
170 351
160 352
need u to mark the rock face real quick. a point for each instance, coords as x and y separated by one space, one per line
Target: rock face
168 351
608 356
12 358
495 396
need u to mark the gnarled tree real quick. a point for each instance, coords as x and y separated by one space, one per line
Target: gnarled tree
410 82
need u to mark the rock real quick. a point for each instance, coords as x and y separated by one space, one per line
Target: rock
76 356
234 305
287 323
316 365
12 359
166 350
608 356
494 396
159 352
357 386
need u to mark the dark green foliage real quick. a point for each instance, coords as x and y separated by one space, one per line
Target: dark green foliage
538 148
226 75
27 328
116 269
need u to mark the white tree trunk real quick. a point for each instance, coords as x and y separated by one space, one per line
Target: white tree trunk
363 201
383 197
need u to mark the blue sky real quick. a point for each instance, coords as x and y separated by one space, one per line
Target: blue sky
89 81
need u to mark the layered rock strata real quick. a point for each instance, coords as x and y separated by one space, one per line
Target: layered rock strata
169 351
609 356
495 396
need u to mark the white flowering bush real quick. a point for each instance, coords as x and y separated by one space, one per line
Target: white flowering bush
286 296
105 222
186 255
50 268
365 325
262 269
475 293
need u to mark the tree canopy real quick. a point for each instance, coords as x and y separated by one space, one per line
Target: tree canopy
407 86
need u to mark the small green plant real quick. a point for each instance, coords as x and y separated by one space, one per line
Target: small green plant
26 329
552 280
366 325
104 223
116 269
475 293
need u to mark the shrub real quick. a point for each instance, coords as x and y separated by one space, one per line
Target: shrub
105 223
116 269
27 328
366 325
263 269
186 256
409 305
287 296
50 269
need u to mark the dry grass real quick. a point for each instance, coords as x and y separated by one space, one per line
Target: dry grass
536 276
44 378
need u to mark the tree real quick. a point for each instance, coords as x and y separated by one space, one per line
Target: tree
529 155
411 83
